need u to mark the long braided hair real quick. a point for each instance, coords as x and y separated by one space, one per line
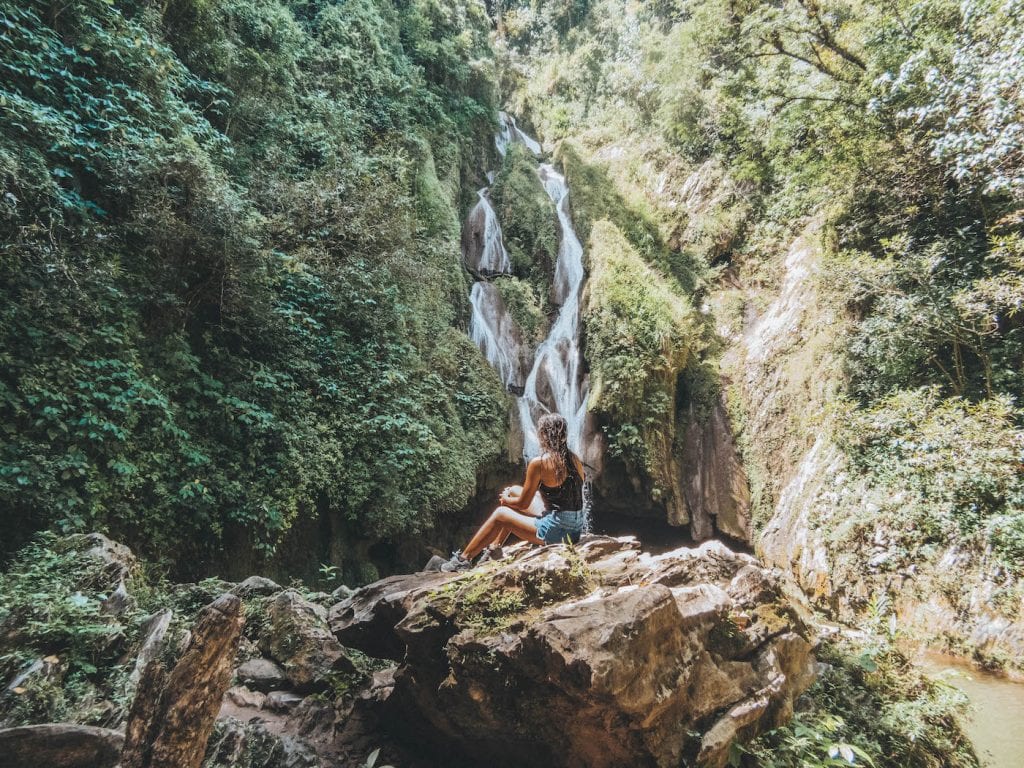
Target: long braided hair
553 432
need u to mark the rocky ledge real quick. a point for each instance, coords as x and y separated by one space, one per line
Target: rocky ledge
595 655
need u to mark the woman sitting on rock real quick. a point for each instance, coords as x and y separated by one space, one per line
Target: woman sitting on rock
546 509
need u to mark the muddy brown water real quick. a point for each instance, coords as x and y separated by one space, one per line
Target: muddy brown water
997 723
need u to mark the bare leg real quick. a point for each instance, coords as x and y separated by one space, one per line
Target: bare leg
523 526
500 537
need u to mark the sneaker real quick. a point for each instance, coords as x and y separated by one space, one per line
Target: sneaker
492 555
456 563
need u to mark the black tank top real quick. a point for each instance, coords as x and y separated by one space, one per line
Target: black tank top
567 497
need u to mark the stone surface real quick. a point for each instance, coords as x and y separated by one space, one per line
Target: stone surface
153 630
261 675
241 696
256 585
283 701
118 601
47 668
714 482
253 745
117 560
342 592
300 639
173 713
59 745
605 656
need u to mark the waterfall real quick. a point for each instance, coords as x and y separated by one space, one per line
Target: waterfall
483 247
509 133
495 333
555 382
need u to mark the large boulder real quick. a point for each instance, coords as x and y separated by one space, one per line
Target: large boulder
300 640
598 655
173 713
59 745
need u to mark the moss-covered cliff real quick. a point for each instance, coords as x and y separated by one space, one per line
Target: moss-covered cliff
232 299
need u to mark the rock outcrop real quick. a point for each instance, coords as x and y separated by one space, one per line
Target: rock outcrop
594 656
714 481
786 374
173 714
300 640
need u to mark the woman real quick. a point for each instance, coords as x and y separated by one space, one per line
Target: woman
546 509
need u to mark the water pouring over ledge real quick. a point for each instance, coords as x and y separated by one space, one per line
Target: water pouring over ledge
483 247
556 381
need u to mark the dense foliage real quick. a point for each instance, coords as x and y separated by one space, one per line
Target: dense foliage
231 291
640 335
869 706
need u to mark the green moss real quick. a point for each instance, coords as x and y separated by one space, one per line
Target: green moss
594 197
491 598
528 218
525 307
641 334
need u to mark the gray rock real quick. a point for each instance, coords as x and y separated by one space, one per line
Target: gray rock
256 585
49 668
283 701
154 630
343 592
117 602
241 696
261 675
670 656
115 558
59 745
300 639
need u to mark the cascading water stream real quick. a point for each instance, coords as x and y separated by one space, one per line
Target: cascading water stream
555 381
484 248
509 133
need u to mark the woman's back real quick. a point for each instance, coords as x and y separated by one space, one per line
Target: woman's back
566 496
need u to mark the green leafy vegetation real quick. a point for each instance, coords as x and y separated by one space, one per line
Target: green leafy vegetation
56 638
528 219
524 306
712 133
868 707
231 291
949 469
640 335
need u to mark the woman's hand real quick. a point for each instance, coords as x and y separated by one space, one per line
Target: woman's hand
503 497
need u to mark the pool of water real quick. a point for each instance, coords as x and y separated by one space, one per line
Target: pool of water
997 723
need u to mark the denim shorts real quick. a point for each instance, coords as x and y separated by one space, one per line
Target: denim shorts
556 527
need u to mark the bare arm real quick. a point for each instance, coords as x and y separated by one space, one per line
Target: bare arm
520 502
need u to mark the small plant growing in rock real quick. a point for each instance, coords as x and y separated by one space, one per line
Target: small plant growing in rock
328 573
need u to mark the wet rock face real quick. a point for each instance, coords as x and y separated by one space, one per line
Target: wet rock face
602 656
714 482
